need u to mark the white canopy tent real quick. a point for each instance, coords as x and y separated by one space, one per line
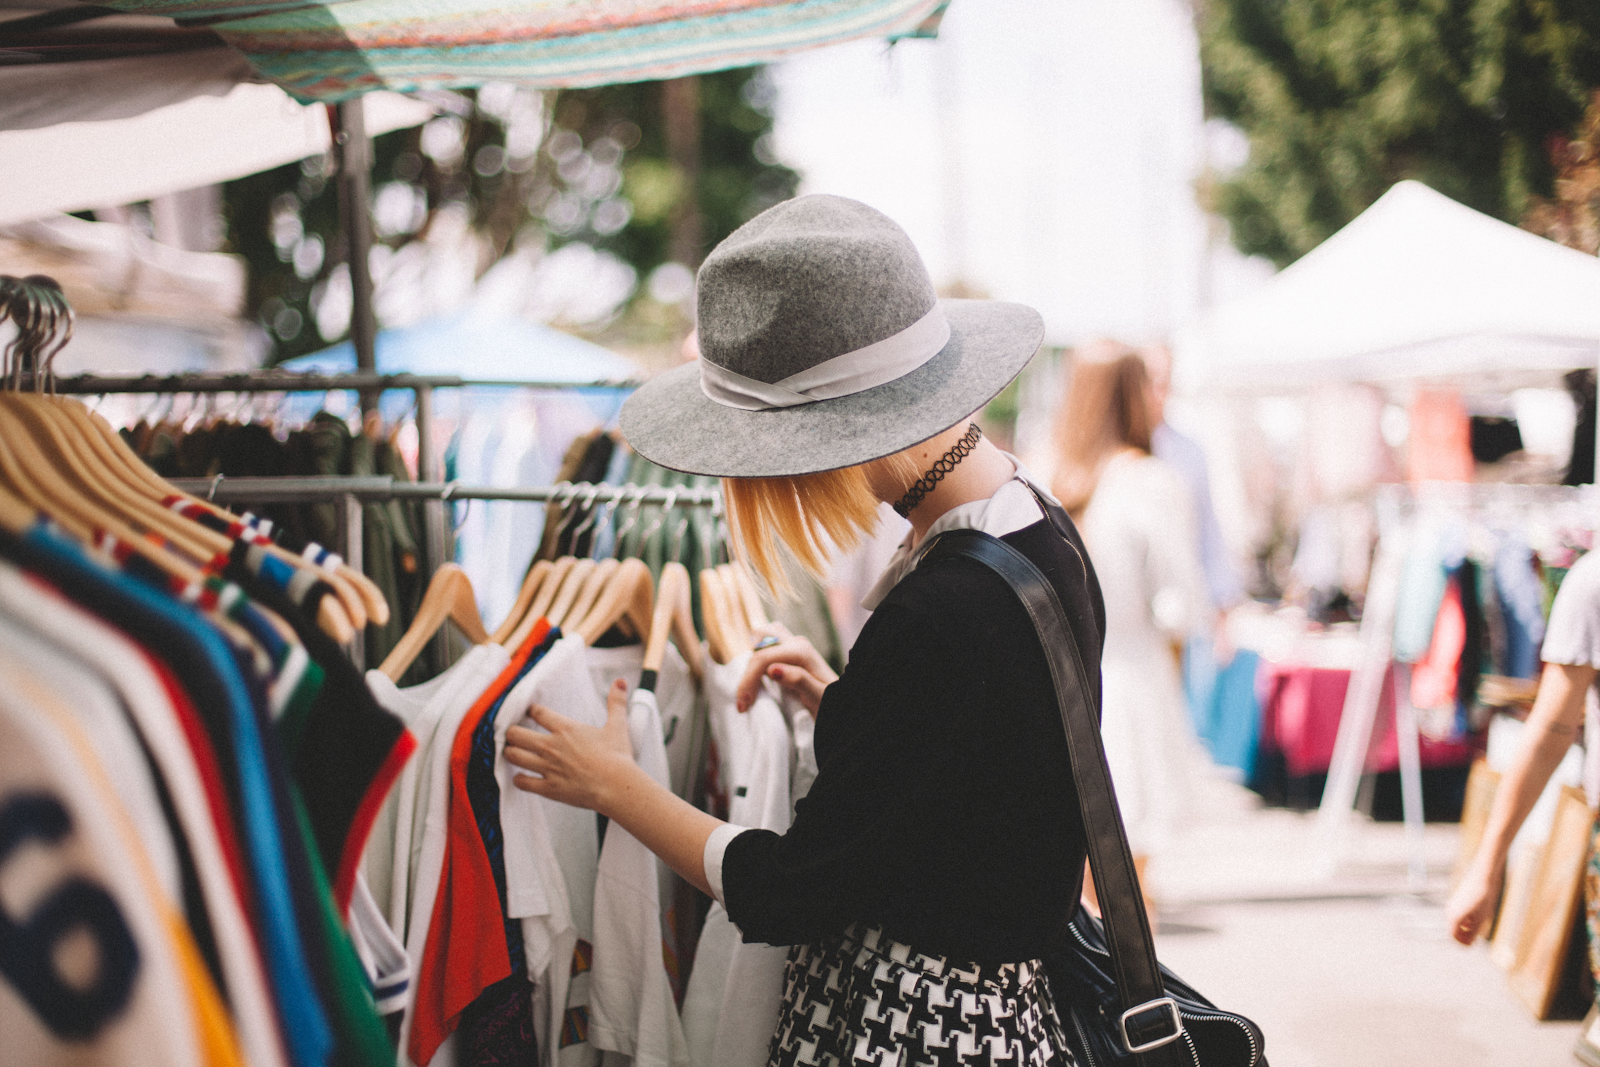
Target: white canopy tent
76 165
1417 287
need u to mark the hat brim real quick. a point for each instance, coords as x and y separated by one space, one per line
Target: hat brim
672 422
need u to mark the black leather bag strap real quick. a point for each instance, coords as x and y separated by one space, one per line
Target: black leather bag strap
1133 955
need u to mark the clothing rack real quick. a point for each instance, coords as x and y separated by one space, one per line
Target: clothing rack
365 383
1398 509
350 492
379 488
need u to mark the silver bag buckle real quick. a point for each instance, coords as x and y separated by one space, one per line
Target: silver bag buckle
1165 1027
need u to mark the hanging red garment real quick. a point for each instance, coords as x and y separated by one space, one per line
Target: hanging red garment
465 952
1434 678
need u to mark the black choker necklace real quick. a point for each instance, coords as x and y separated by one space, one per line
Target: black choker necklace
947 463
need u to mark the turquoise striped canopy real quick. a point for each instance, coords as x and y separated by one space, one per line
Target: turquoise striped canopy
335 49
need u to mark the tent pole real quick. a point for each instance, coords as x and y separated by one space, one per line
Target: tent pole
353 153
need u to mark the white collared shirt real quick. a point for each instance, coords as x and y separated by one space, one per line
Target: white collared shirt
1011 508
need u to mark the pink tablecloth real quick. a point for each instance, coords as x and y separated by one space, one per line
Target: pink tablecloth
1300 710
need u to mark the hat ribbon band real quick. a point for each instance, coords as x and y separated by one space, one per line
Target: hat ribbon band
866 368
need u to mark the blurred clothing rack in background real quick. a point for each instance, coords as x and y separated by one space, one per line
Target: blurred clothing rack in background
429 468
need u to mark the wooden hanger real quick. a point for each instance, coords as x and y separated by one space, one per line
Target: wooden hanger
15 514
64 455
449 597
627 596
357 593
593 586
144 490
716 613
740 631
34 481
557 593
674 617
576 577
548 591
530 587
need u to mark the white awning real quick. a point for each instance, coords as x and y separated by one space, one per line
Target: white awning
1418 287
202 140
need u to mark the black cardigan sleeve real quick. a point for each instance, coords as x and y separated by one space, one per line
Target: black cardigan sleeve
943 808
887 738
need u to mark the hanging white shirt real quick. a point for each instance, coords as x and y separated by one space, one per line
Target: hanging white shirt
1012 507
120 663
604 982
675 699
736 991
387 860
70 827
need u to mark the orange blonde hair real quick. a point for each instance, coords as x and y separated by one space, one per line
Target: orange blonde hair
1106 409
812 516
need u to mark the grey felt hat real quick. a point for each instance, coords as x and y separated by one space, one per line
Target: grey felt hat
823 345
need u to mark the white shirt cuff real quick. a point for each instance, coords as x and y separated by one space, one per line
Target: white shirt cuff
716 845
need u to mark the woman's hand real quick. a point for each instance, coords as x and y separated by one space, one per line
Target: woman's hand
793 663
575 764
1470 909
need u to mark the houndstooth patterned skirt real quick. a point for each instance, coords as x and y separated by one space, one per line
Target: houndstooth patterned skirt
863 999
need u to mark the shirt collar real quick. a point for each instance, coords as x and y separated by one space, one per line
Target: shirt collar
1012 507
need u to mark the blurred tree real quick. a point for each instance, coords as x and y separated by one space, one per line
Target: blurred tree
1572 217
1340 99
653 173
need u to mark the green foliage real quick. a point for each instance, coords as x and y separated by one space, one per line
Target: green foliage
591 165
737 176
1340 99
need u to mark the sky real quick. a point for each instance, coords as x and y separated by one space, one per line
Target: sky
1042 151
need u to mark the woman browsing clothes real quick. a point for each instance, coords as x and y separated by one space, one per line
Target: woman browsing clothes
941 842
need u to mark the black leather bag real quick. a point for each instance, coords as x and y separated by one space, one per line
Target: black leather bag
1090 1005
1118 1005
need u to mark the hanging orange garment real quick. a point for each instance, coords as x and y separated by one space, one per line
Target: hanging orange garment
1439 446
465 952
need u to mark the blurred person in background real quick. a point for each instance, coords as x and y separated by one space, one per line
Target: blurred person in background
1185 456
1137 520
1562 714
1208 650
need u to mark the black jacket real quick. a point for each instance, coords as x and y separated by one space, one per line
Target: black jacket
944 809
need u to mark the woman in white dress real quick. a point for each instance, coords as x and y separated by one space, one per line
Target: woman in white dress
1137 519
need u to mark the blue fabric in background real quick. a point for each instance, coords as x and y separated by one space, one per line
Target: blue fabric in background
1223 704
1521 595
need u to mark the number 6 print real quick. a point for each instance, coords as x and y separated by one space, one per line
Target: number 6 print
73 1012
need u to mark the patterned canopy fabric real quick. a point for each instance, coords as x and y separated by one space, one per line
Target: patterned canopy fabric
336 49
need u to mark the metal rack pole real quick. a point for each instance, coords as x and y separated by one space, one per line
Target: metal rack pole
353 534
354 154
379 488
428 471
295 382
248 382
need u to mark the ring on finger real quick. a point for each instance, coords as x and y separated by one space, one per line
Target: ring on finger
766 642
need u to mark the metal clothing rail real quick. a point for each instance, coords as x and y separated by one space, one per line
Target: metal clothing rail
296 382
350 492
380 488
367 383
